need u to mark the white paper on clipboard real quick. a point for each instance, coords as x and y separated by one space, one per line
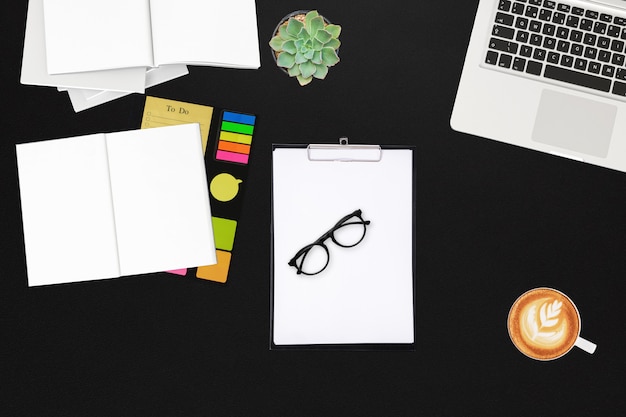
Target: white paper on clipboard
365 296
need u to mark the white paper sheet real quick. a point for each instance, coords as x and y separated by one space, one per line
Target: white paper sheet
69 228
97 35
34 67
160 199
106 205
366 293
83 99
198 32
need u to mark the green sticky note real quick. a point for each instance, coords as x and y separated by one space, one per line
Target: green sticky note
224 233
237 128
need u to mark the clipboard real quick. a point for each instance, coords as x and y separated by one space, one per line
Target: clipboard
363 299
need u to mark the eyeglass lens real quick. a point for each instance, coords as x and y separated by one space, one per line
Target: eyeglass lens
347 232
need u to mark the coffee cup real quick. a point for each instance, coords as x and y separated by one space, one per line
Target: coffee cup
544 324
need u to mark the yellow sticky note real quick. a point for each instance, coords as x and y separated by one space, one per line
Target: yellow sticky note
159 112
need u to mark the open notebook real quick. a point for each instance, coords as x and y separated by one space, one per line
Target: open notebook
107 34
114 204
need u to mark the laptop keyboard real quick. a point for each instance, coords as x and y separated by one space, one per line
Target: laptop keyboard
559 42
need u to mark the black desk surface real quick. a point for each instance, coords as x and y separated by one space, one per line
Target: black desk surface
493 220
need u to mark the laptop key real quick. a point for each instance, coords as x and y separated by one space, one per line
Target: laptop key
617 45
608 70
580 64
502 45
519 64
504 19
491 58
577 78
532 11
534 67
586 24
594 67
539 54
504 5
535 39
604 56
619 89
591 53
567 60
613 31
553 57
563 7
522 36
620 74
521 23
503 32
505 61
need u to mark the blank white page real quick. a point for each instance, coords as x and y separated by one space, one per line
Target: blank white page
97 35
365 295
201 32
69 232
34 67
160 199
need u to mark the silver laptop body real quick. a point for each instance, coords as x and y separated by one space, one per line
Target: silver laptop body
548 76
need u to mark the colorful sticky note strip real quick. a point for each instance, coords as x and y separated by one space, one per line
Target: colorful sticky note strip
235 137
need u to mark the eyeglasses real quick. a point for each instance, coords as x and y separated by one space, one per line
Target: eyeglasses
347 232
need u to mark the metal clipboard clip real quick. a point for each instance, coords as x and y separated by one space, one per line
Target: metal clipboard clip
344 152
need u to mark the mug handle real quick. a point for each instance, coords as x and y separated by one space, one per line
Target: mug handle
585 345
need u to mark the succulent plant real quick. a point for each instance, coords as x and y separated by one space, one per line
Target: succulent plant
306 47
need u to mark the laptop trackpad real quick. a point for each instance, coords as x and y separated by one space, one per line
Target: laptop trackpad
574 123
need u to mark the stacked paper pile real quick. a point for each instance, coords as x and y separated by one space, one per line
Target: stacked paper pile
100 50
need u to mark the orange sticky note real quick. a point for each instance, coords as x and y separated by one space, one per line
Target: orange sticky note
217 272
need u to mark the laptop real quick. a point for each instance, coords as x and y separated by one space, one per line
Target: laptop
549 76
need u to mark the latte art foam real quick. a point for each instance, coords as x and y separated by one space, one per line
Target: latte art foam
543 324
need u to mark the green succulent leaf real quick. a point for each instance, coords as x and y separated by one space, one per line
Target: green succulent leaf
310 16
285 60
290 47
316 45
304 34
316 24
329 57
334 30
323 36
309 54
282 32
294 71
294 27
317 57
307 69
276 43
300 58
320 72
333 43
304 80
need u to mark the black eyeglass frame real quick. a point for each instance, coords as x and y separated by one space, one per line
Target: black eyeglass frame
329 234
